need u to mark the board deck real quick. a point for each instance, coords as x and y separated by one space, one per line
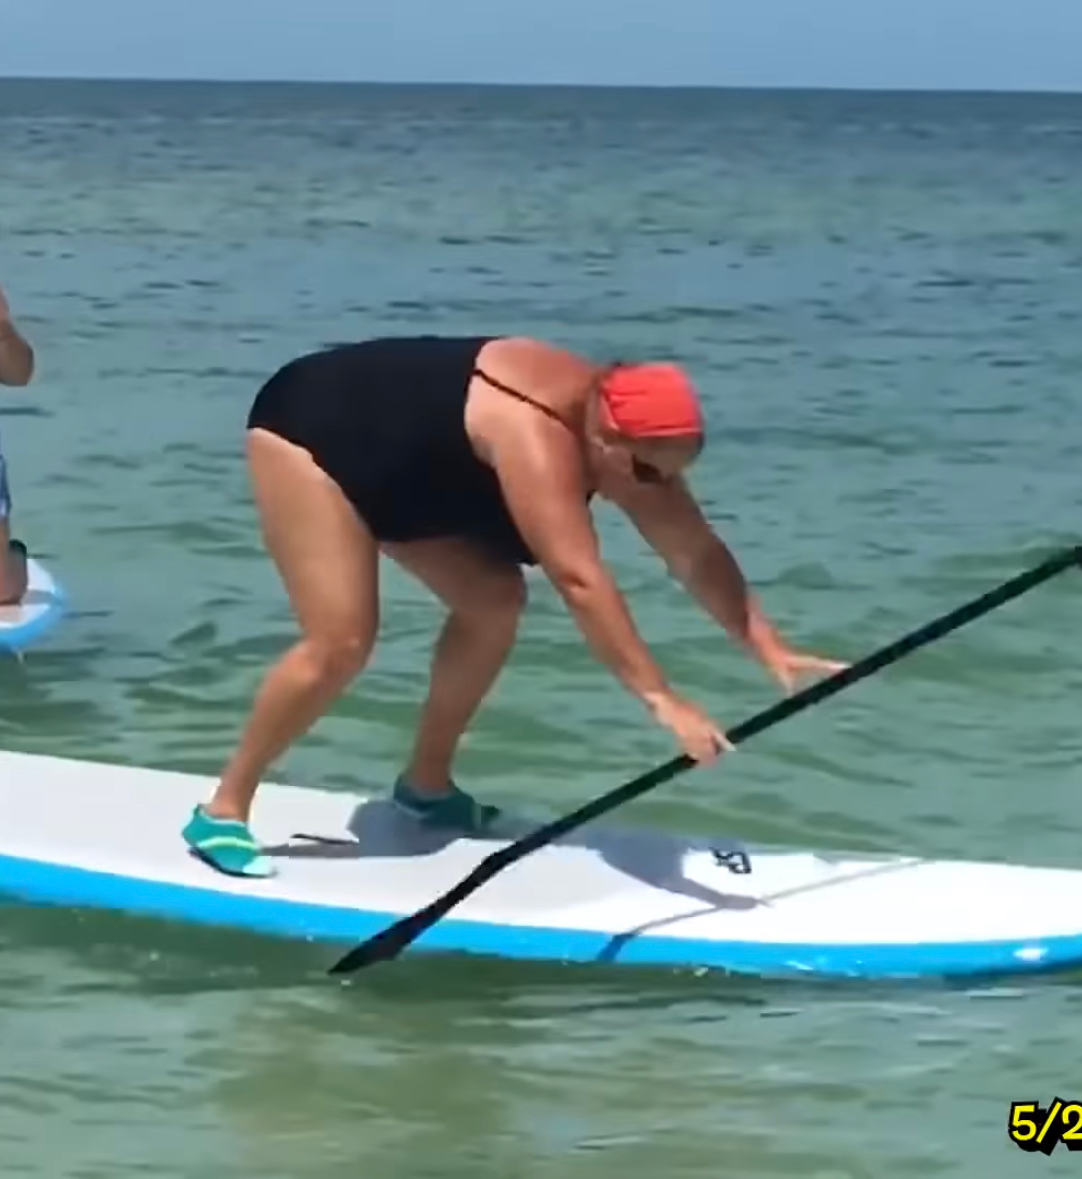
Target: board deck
40 610
605 893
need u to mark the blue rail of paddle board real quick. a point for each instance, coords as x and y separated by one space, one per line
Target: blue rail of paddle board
18 638
71 886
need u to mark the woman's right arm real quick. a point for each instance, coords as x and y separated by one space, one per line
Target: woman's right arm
540 472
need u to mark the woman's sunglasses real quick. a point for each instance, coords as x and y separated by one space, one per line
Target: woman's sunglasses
645 473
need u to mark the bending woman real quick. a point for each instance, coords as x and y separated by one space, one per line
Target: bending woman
463 459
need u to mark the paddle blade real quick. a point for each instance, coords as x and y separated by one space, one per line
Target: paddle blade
390 942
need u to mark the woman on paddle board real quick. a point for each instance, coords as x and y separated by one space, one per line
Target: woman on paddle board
463 459
16 368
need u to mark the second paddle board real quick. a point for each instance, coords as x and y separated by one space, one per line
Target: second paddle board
35 616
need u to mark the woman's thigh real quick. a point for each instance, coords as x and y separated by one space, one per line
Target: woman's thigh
469 581
325 554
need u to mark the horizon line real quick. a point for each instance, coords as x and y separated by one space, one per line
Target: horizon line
448 84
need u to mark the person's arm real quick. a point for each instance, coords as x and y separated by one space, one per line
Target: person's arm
16 355
539 469
671 522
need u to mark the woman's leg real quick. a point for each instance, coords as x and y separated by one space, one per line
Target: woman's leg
327 559
485 598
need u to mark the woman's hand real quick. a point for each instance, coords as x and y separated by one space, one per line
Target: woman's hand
695 732
788 666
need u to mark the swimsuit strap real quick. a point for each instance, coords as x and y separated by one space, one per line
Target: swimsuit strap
517 393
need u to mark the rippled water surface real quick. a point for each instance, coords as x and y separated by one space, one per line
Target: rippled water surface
881 299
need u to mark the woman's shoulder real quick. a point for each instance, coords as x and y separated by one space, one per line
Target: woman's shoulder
537 367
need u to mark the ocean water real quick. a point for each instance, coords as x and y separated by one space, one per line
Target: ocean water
881 297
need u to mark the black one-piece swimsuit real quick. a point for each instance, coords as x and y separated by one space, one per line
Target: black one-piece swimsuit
386 420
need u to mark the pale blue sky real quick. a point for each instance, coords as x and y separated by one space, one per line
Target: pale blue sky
920 44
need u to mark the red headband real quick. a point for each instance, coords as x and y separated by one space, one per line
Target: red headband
651 401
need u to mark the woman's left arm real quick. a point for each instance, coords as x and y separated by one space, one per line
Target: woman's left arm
672 523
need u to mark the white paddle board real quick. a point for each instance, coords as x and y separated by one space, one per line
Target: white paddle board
603 894
40 610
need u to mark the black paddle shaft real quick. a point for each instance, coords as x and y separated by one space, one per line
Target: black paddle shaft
390 942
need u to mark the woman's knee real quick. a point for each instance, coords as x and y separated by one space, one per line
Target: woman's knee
338 654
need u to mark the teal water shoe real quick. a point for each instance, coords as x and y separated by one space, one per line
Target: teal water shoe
226 844
455 809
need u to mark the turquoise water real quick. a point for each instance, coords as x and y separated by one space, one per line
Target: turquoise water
880 297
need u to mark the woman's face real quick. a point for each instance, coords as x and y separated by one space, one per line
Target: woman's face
615 460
